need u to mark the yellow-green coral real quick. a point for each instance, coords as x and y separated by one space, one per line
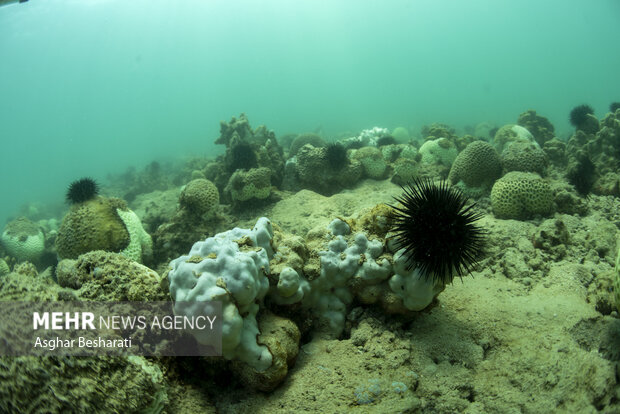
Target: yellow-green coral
199 196
478 165
524 156
372 161
253 183
92 225
23 239
438 151
511 133
104 277
520 195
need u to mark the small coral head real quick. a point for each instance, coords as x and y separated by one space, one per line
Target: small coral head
437 230
82 190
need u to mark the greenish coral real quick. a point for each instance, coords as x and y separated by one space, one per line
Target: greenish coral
109 277
92 225
372 161
521 195
251 184
23 239
303 139
401 135
80 385
313 171
199 197
4 268
140 243
511 133
524 156
405 170
539 126
478 165
438 151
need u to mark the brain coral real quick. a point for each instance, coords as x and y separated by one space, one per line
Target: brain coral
520 195
478 165
524 156
438 151
23 239
372 161
92 225
199 196
303 139
539 126
511 133
246 185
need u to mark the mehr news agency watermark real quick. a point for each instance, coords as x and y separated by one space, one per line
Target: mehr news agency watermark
119 328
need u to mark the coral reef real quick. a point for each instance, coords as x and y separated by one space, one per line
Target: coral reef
102 224
401 135
313 169
253 184
303 139
23 239
438 151
92 225
478 165
372 162
232 267
539 126
521 195
200 196
524 156
84 385
511 133
247 148
109 277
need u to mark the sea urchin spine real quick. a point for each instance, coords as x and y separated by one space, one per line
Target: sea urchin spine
437 230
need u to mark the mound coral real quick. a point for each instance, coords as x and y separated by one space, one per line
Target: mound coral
102 224
478 165
438 151
109 277
521 195
324 171
372 161
251 184
539 126
511 133
524 156
200 196
23 239
303 139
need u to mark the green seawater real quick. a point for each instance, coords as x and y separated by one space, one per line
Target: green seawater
91 87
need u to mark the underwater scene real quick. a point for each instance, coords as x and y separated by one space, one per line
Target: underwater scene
398 206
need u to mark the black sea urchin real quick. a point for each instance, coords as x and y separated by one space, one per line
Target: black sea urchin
82 190
436 230
579 115
336 156
241 156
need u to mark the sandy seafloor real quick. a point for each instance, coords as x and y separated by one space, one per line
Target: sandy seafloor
533 330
